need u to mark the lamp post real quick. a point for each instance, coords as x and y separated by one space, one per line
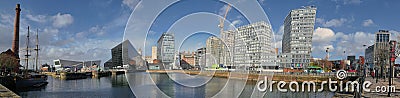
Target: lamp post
364 65
392 60
327 58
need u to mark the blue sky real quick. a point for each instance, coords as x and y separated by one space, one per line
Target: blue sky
88 29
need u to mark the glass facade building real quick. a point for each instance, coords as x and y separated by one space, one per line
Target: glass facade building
297 37
166 50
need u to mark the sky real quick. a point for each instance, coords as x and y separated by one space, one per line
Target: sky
88 29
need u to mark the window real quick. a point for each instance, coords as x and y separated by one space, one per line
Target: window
57 63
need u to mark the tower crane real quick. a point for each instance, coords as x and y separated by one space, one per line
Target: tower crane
222 20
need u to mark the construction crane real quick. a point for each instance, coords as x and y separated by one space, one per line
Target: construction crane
222 20
221 25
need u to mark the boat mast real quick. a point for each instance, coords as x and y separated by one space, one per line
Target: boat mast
27 51
37 49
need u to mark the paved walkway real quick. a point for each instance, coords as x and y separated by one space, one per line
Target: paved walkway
4 92
378 87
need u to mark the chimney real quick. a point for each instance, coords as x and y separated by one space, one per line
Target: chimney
15 44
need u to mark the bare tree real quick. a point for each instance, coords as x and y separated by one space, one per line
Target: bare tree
8 62
382 59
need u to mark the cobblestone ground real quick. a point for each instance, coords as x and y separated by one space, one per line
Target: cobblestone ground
4 92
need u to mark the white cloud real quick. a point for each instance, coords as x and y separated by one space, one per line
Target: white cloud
334 22
278 37
130 3
339 42
320 20
323 38
278 44
330 47
67 45
89 50
281 29
345 2
236 22
62 20
352 1
37 18
261 1
222 10
395 35
323 35
6 38
368 22
6 19
99 31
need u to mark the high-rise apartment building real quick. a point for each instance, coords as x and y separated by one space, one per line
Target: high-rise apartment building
166 50
215 47
228 39
253 47
297 37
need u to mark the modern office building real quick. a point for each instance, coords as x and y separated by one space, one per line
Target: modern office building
369 56
215 48
381 48
378 54
199 53
254 48
284 58
125 54
228 38
166 50
297 37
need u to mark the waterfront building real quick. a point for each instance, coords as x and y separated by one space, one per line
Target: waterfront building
148 59
369 56
154 52
297 37
228 39
71 65
215 48
125 55
198 54
187 60
166 50
284 59
253 47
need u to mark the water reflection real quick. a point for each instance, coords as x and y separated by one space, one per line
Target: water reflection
115 87
161 86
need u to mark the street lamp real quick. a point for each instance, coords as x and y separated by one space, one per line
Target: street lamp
327 58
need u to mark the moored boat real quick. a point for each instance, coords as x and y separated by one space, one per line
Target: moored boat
31 80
